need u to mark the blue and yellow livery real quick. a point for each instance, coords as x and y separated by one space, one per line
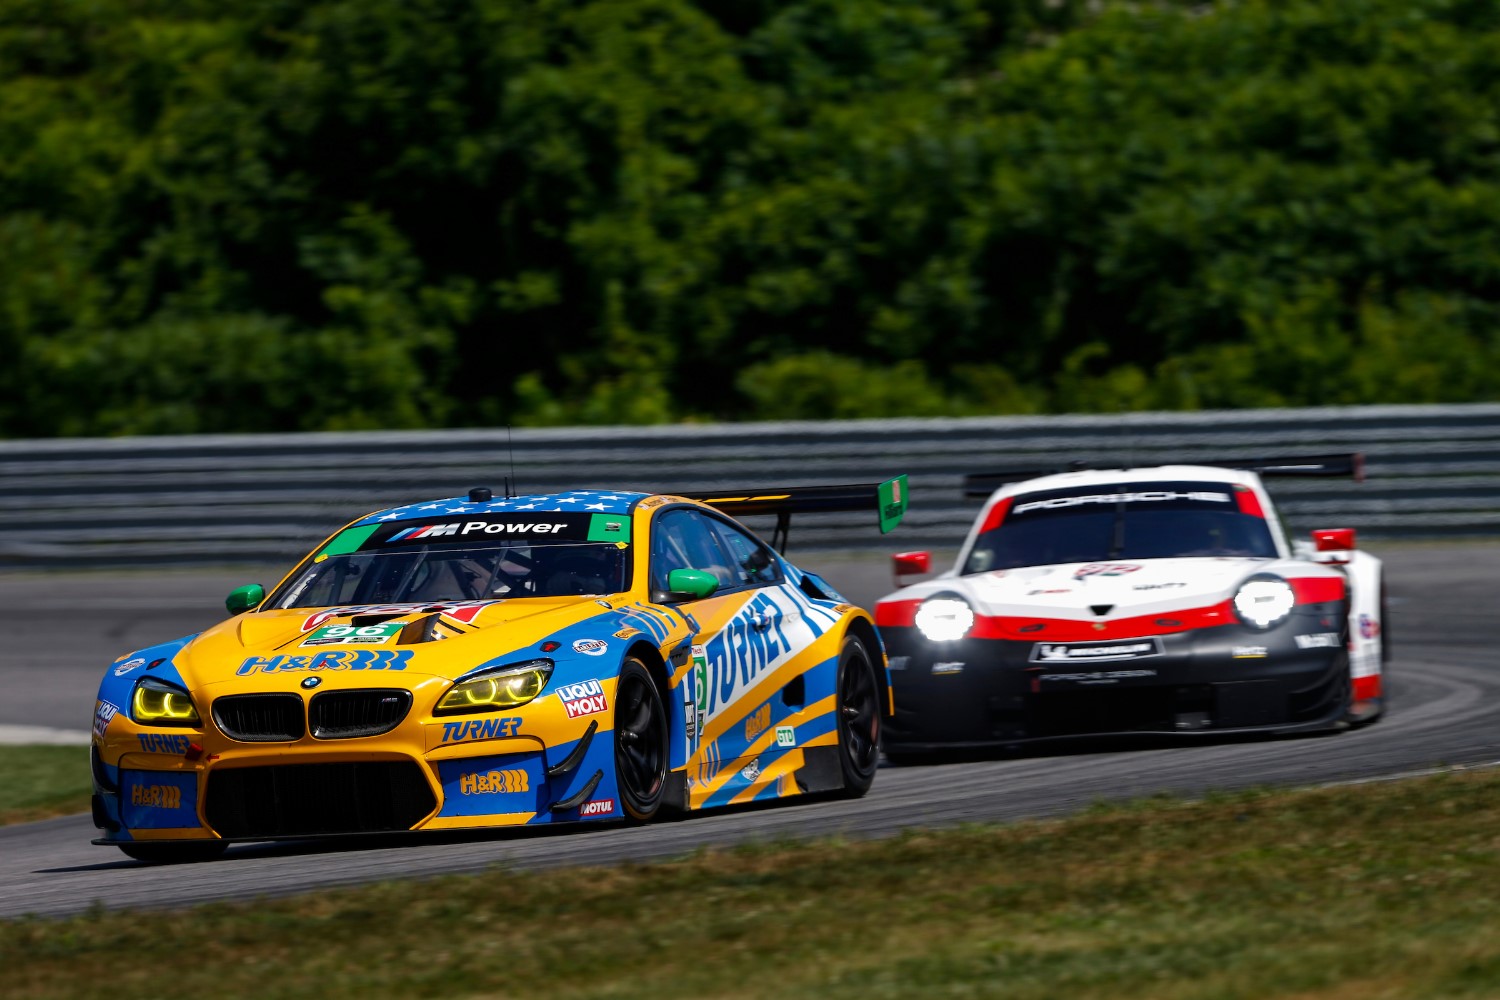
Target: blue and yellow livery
480 662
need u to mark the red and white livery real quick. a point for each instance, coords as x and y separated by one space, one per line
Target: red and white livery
1162 600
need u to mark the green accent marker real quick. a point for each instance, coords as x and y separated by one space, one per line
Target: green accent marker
892 498
349 541
609 528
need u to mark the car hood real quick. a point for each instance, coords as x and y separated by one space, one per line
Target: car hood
1079 590
444 640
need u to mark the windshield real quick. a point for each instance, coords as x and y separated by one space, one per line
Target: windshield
1122 521
476 560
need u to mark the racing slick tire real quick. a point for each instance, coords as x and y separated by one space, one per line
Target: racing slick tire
857 707
174 854
641 754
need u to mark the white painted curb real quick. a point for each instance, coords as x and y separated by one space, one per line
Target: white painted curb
44 734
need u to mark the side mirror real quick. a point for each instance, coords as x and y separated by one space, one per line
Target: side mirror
687 584
905 564
242 599
1333 545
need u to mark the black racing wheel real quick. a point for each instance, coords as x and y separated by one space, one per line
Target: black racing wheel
640 741
858 708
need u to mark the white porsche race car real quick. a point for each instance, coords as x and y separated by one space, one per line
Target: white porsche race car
1163 600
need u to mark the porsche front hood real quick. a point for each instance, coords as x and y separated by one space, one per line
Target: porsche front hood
1103 589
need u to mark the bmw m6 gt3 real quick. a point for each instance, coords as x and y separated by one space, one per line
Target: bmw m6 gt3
478 662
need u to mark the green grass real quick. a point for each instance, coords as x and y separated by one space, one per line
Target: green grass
1379 890
42 781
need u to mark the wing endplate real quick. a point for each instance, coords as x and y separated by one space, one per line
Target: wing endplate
887 499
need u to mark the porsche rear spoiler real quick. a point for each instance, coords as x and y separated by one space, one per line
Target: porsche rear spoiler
887 499
982 484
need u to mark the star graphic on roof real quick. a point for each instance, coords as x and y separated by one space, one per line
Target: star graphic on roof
610 496
570 500
457 510
392 516
527 506
595 506
430 506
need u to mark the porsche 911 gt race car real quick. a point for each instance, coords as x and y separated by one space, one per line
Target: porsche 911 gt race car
1161 600
481 662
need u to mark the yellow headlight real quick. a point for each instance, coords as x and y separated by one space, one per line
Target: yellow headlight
156 704
508 687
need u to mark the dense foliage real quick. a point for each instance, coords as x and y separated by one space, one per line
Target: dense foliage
300 214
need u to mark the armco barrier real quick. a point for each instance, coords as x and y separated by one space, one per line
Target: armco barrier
257 498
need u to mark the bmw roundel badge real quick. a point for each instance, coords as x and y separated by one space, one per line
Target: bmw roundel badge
311 682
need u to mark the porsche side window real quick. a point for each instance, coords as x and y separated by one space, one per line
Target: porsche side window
751 560
685 539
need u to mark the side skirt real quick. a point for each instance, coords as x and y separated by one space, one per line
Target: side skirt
675 795
820 771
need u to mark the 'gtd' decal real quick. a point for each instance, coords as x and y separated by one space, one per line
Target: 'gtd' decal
333 659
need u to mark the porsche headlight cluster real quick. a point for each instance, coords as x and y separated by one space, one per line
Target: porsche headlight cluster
944 619
509 686
1262 601
157 703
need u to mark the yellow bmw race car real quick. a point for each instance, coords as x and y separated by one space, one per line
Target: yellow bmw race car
480 662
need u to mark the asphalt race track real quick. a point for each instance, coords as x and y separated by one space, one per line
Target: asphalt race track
61 630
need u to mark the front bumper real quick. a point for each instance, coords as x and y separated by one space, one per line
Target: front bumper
1221 680
200 785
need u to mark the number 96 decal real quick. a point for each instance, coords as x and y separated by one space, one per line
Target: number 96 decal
350 635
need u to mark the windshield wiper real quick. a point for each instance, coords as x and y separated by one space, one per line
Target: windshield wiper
1117 542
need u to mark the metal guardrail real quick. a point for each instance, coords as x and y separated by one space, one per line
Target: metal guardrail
267 498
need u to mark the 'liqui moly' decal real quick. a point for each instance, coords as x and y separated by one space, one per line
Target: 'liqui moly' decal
586 698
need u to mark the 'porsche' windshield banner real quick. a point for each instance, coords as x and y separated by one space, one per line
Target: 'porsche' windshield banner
1132 496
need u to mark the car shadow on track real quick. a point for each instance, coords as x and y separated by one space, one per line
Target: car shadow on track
345 843
1074 746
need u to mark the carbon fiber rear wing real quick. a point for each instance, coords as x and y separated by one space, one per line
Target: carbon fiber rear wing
887 499
982 484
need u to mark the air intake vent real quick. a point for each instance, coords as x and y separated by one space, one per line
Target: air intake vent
260 718
295 800
342 715
1101 609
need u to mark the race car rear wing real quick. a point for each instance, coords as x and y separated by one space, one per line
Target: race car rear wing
982 484
887 499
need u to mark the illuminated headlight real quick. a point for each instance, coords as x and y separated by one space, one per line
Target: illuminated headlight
944 619
1264 601
157 703
509 686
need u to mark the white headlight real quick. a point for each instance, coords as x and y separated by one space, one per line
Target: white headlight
1264 602
945 619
